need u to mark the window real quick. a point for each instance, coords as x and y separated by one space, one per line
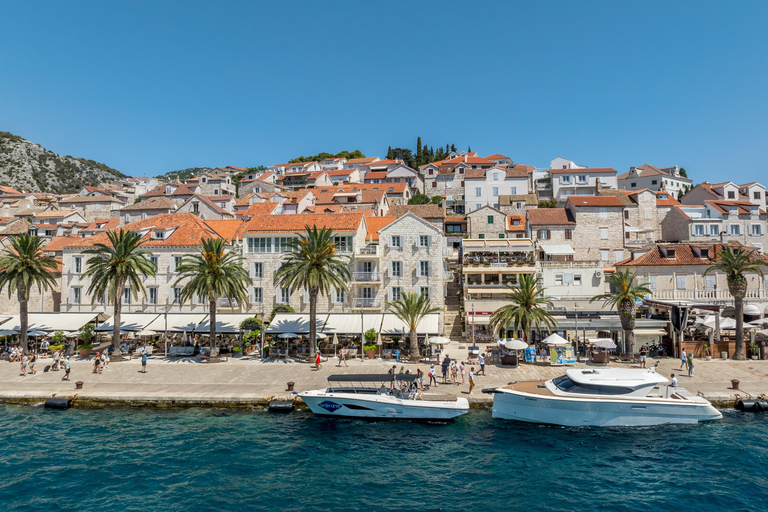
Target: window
396 241
513 191
434 184
495 191
424 241
77 264
478 191
195 207
259 245
605 255
626 214
568 234
632 185
698 230
258 295
177 295
152 294
481 236
285 295
424 290
544 234
680 282
257 270
502 235
168 191
155 261
77 295
603 213
423 269
710 282
577 279
395 269
652 281
558 279
653 182
495 176
344 243
490 219
582 178
394 293
756 195
340 297
283 244
478 206
126 295
618 254
731 194
756 229
714 229
735 229
175 262
603 233
565 179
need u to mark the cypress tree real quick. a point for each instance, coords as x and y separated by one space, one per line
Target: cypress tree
419 154
390 155
453 147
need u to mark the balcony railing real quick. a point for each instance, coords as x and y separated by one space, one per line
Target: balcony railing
365 303
368 250
724 295
571 264
367 276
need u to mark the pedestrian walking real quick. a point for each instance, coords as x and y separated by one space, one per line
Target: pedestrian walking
97 363
445 364
24 362
32 361
317 361
143 361
481 360
105 359
471 379
67 368
643 355
342 357
462 372
402 370
56 361
432 376
690 363
683 359
455 372
44 348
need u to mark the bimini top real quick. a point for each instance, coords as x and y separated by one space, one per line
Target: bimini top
387 377
616 377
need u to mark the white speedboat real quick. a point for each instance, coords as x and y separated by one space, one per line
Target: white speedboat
604 397
382 396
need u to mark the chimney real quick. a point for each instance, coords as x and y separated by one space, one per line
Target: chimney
633 170
465 158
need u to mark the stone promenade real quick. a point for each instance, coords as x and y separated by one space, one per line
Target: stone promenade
251 382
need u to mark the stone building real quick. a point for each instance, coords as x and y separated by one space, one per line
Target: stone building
209 208
487 222
517 204
92 207
147 208
599 229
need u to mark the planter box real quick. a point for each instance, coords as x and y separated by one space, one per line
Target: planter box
370 354
85 354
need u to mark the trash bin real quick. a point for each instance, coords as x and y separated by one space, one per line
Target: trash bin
723 355
734 384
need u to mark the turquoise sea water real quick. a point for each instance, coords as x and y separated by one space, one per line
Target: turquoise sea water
200 460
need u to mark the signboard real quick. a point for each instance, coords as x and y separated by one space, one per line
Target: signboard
498 264
530 354
556 357
570 356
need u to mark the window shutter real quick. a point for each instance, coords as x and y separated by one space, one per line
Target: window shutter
253 270
306 297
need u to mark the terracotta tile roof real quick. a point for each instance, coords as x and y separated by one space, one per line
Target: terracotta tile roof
105 224
510 222
245 200
226 228
8 190
209 202
455 219
385 161
16 228
57 243
265 208
89 199
469 160
188 230
424 211
497 156
669 201
528 199
342 222
684 254
341 172
582 171
376 175
361 160
724 206
589 201
376 223
550 217
54 214
152 203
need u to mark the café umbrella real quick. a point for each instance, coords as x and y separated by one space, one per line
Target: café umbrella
514 344
555 340
335 342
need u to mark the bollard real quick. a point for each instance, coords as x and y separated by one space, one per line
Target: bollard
79 384
734 384
290 386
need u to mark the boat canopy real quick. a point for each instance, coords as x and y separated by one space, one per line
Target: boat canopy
387 377
620 377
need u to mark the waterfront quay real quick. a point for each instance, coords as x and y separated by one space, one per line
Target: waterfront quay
247 382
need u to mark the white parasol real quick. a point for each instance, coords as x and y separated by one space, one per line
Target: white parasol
602 342
555 340
515 344
287 335
439 340
146 332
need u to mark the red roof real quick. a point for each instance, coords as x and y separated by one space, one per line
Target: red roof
550 217
342 222
376 223
681 254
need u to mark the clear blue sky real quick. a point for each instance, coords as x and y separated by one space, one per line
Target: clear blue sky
150 87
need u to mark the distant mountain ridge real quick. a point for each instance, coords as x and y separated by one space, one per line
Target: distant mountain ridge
29 167
183 174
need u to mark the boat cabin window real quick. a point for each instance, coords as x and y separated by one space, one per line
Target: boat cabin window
564 383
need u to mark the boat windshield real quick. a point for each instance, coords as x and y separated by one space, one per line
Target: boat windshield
564 383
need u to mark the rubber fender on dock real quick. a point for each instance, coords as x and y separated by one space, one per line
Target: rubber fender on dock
280 406
58 403
491 391
752 405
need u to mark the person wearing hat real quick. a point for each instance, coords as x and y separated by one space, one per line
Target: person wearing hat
67 368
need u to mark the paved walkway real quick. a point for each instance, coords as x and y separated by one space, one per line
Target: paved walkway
247 381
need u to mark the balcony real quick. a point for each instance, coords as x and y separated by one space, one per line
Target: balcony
368 251
367 277
707 295
596 264
449 276
360 302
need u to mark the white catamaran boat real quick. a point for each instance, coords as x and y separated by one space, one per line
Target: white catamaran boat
604 397
382 396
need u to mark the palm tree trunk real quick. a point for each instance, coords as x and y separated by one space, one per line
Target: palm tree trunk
116 318
23 318
738 305
212 325
312 324
627 344
414 344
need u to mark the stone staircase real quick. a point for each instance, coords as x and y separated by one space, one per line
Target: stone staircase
452 328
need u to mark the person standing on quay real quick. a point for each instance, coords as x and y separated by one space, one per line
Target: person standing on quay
143 361
317 361
643 356
690 363
481 360
342 356
471 379
683 359
32 361
432 378
463 369
67 367
24 362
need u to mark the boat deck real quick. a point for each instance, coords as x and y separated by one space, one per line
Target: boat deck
538 388
438 398
535 387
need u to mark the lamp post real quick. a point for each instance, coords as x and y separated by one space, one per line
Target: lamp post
576 309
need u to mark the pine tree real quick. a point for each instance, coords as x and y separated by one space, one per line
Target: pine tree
419 154
447 149
390 155
453 147
469 149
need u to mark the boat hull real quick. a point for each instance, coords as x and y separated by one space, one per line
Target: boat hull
382 407
598 412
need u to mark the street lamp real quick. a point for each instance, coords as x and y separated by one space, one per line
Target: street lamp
576 310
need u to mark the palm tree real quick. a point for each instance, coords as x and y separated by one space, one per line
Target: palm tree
115 265
213 273
623 299
734 263
411 308
314 265
22 267
526 310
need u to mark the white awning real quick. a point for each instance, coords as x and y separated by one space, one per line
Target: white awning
478 319
351 323
557 249
51 322
129 322
293 322
391 325
649 332
177 322
226 323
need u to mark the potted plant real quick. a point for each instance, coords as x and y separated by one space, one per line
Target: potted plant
236 352
754 349
85 351
707 351
370 351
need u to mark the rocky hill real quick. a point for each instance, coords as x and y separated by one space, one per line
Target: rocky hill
29 167
183 174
